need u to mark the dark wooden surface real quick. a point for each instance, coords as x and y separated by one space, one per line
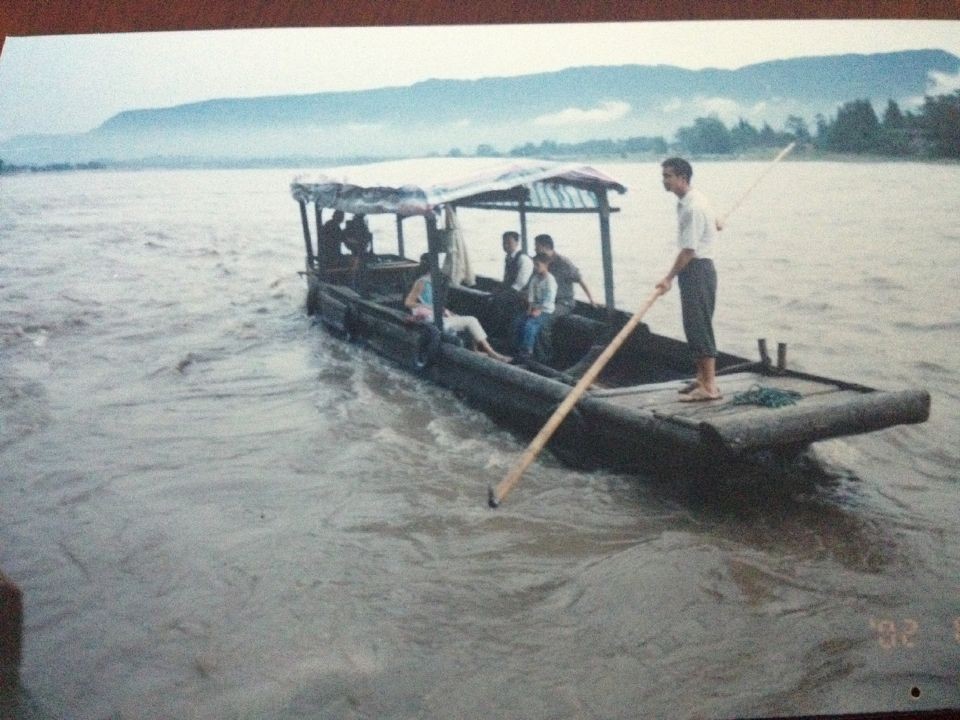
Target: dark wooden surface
665 399
11 632
824 409
53 17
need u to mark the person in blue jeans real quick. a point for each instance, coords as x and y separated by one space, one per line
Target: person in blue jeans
541 299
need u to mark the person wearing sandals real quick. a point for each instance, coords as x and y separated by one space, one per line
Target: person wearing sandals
696 276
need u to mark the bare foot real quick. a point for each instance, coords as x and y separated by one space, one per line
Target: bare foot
701 395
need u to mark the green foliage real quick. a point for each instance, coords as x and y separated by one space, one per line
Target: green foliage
707 135
856 129
940 121
797 127
892 117
934 131
51 167
620 148
744 135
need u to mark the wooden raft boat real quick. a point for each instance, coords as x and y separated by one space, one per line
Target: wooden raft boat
632 416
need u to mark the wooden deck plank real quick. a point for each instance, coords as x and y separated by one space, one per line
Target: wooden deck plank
665 400
843 412
823 401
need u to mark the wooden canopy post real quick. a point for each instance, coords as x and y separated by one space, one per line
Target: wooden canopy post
436 277
603 205
323 259
400 249
522 209
306 233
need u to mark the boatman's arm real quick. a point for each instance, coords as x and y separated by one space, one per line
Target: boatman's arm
683 257
578 279
587 291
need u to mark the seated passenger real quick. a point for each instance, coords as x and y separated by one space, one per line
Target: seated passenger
541 296
331 237
564 272
420 302
357 235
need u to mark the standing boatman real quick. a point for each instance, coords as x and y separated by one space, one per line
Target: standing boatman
696 275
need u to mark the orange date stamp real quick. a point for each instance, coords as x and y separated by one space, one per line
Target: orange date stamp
903 632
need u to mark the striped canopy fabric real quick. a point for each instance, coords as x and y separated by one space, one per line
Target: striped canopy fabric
419 187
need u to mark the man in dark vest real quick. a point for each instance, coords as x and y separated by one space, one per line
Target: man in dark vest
511 299
517 265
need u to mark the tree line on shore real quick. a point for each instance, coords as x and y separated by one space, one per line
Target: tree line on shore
51 167
932 131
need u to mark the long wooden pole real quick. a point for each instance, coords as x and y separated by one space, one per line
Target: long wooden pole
502 488
499 492
722 220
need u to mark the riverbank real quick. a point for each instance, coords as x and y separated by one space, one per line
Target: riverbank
806 154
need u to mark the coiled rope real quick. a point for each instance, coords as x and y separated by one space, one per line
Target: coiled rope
766 397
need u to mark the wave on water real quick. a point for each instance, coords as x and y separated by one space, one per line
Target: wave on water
38 332
914 326
932 367
811 306
884 283
24 409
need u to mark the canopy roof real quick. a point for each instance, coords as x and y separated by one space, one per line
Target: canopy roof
418 187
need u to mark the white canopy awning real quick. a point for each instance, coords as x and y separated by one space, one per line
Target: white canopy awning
418 187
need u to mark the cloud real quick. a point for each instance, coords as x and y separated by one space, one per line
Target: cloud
939 83
724 108
606 111
727 110
673 105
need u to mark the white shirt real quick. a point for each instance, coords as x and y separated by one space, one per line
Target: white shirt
524 270
696 224
542 292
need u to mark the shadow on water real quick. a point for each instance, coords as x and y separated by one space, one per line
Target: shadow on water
804 508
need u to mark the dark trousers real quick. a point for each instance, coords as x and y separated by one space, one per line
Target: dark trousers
525 331
698 296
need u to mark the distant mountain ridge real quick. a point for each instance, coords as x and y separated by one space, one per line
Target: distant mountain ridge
568 105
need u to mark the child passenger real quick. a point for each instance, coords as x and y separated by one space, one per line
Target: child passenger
541 296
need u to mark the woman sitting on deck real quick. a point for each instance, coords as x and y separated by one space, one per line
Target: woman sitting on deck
420 302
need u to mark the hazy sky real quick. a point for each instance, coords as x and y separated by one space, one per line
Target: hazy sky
64 84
